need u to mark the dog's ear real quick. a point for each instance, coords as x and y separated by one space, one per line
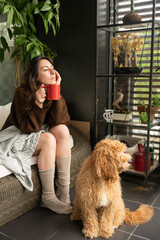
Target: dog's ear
105 165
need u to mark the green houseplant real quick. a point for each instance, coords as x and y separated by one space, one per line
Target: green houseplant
20 26
143 117
156 101
143 108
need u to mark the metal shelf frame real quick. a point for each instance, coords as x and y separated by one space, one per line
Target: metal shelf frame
117 28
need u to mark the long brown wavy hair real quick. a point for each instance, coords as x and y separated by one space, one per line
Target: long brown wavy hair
29 80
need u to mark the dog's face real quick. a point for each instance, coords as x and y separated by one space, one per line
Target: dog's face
110 159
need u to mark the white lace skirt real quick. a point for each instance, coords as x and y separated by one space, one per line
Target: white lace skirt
16 149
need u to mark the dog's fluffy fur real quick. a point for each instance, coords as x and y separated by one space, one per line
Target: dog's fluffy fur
98 201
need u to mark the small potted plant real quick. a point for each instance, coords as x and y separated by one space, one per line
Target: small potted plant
143 117
142 107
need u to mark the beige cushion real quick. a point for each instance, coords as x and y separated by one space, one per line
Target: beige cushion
4 112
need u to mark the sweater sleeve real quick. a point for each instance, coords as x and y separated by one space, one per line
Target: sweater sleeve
58 113
27 122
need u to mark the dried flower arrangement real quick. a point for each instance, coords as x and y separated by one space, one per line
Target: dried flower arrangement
125 48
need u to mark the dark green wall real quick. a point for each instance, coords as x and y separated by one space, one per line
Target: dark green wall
75 45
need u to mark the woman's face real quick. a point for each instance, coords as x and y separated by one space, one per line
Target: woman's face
46 72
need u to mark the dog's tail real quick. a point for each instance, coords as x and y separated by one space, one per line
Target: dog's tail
142 215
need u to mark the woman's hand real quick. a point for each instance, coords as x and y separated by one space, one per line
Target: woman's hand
40 96
58 78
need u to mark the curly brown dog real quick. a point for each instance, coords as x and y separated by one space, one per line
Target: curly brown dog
98 201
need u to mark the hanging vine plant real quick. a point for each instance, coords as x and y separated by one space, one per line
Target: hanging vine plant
131 17
21 28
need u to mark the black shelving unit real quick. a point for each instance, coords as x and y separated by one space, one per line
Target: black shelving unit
108 78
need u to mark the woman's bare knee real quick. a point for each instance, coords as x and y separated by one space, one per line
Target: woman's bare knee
61 131
46 140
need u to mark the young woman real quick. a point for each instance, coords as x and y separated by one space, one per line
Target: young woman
32 113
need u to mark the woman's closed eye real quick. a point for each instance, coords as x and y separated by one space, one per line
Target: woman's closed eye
48 68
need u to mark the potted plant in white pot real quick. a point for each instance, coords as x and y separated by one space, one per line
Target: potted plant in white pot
21 27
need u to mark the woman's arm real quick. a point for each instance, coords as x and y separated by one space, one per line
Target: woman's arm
27 122
58 113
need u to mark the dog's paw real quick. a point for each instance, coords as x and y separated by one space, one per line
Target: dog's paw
115 226
89 234
75 217
106 233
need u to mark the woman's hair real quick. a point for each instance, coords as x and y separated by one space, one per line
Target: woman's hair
29 80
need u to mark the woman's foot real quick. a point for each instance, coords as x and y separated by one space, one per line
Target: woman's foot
50 201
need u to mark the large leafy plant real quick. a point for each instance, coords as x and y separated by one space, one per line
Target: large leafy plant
20 25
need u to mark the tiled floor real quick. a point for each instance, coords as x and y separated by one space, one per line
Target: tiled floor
42 224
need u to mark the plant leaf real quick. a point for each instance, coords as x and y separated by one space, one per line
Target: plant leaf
19 19
57 6
21 40
57 21
17 30
10 16
1 8
53 28
32 27
35 53
34 2
36 10
1 54
49 15
6 8
15 52
4 43
47 6
10 33
45 26
39 5
29 46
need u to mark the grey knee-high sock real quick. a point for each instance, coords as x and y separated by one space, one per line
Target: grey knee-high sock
49 198
63 181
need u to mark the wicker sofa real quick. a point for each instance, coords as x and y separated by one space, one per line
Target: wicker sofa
15 200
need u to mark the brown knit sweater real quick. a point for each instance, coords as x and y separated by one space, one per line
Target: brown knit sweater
53 113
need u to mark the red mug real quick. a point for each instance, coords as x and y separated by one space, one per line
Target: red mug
53 91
